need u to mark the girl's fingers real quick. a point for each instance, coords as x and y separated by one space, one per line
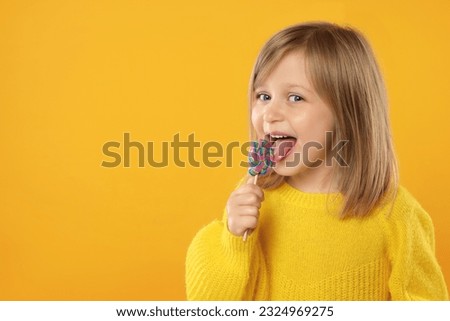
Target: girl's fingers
250 188
247 199
248 211
249 222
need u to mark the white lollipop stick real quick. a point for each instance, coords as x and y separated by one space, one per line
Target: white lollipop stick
244 238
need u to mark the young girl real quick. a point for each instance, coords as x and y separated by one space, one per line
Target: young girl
329 221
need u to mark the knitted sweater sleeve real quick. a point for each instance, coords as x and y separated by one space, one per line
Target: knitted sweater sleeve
415 272
221 266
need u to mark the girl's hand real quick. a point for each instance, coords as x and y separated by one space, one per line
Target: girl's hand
243 207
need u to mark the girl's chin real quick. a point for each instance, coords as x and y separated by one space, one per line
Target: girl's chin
283 170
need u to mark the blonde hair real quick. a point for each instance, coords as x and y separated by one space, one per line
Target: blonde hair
344 72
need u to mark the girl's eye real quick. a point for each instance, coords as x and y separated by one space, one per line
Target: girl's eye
265 97
295 98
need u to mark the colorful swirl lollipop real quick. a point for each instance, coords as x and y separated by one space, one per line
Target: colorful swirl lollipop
260 158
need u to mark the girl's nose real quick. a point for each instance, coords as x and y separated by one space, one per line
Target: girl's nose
272 112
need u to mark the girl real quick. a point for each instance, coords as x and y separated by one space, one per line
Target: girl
329 222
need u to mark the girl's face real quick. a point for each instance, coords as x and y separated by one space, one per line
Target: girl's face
286 104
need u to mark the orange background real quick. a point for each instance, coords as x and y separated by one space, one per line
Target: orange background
76 74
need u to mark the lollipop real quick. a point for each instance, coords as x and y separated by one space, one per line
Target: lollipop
261 158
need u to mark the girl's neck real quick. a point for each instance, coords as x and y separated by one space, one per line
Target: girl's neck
314 180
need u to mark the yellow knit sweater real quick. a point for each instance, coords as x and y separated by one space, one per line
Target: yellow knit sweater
300 251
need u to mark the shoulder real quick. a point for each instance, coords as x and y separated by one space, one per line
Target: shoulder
403 205
405 215
404 200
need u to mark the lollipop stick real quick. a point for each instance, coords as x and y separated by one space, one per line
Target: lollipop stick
244 238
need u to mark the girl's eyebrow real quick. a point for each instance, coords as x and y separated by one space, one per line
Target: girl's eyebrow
289 85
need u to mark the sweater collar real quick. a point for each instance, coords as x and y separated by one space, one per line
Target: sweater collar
309 199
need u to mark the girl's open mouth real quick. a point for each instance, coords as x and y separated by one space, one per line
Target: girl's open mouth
282 144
